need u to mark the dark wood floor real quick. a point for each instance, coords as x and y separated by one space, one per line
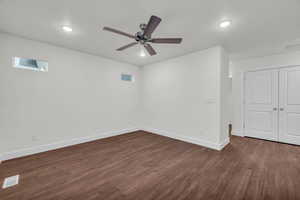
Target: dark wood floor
143 166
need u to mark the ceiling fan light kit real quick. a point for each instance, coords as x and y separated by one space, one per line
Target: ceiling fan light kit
144 37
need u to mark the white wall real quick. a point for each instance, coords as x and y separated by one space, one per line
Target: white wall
81 95
183 97
238 69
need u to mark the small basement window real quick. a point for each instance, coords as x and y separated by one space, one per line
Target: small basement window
31 64
127 77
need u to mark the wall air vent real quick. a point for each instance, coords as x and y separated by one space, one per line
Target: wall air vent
11 181
31 64
127 77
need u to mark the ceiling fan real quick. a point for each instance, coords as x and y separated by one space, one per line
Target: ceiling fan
143 37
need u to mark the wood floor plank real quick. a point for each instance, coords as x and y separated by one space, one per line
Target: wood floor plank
146 166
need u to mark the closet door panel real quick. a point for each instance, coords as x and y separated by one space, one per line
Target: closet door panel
289 105
261 104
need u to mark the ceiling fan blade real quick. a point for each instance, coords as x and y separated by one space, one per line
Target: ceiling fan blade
151 26
150 49
118 32
127 46
166 40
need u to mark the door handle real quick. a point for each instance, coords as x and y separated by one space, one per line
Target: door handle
275 109
281 109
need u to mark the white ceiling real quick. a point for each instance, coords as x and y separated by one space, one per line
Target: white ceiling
259 26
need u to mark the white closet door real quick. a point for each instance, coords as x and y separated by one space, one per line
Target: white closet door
261 105
289 105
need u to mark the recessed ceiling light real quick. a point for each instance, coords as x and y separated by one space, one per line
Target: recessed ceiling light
67 29
225 24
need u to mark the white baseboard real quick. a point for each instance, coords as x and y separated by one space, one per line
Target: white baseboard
224 143
58 145
200 142
239 133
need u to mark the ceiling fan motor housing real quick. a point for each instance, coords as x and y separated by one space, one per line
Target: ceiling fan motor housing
139 37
